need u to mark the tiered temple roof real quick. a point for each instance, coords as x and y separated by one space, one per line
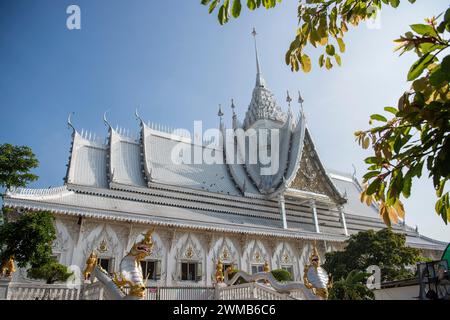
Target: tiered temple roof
135 180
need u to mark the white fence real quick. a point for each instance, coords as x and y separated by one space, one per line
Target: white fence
250 291
180 293
27 291
96 291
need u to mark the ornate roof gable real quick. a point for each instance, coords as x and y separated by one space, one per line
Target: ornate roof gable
311 176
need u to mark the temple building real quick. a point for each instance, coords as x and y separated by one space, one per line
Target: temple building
235 211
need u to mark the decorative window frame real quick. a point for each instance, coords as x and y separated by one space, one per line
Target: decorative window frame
285 257
191 251
257 254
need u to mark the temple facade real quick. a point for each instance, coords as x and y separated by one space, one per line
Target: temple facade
233 210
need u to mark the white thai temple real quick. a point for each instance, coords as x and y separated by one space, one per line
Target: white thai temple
117 188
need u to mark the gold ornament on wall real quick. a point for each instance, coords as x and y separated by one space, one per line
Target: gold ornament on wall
103 247
189 252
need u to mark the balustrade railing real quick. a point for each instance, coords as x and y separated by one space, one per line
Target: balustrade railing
96 291
250 291
26 291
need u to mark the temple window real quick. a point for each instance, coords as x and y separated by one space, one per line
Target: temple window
105 263
289 269
191 271
257 268
151 269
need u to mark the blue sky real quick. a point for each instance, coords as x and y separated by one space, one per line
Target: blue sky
176 63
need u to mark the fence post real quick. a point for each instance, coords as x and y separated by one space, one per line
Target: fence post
4 288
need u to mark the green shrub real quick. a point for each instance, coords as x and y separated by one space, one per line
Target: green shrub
281 275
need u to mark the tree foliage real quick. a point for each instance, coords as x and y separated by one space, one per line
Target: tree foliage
351 288
51 272
415 134
281 275
384 248
29 239
15 165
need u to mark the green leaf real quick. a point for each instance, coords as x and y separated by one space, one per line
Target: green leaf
391 110
378 117
445 64
373 187
417 68
328 64
370 160
330 50
251 4
423 29
321 60
338 59
394 3
438 77
407 183
398 144
236 8
305 62
341 44
213 5
371 174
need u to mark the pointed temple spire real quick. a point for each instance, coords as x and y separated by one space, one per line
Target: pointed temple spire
259 79
234 117
300 99
220 114
233 107
288 100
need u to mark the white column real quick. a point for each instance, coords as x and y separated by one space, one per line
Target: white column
282 210
314 210
344 223
77 257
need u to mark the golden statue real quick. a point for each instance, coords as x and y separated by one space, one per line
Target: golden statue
91 262
315 277
7 269
130 267
219 272
266 267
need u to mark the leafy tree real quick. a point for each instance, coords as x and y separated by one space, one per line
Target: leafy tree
351 288
383 248
417 131
29 240
51 272
15 165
